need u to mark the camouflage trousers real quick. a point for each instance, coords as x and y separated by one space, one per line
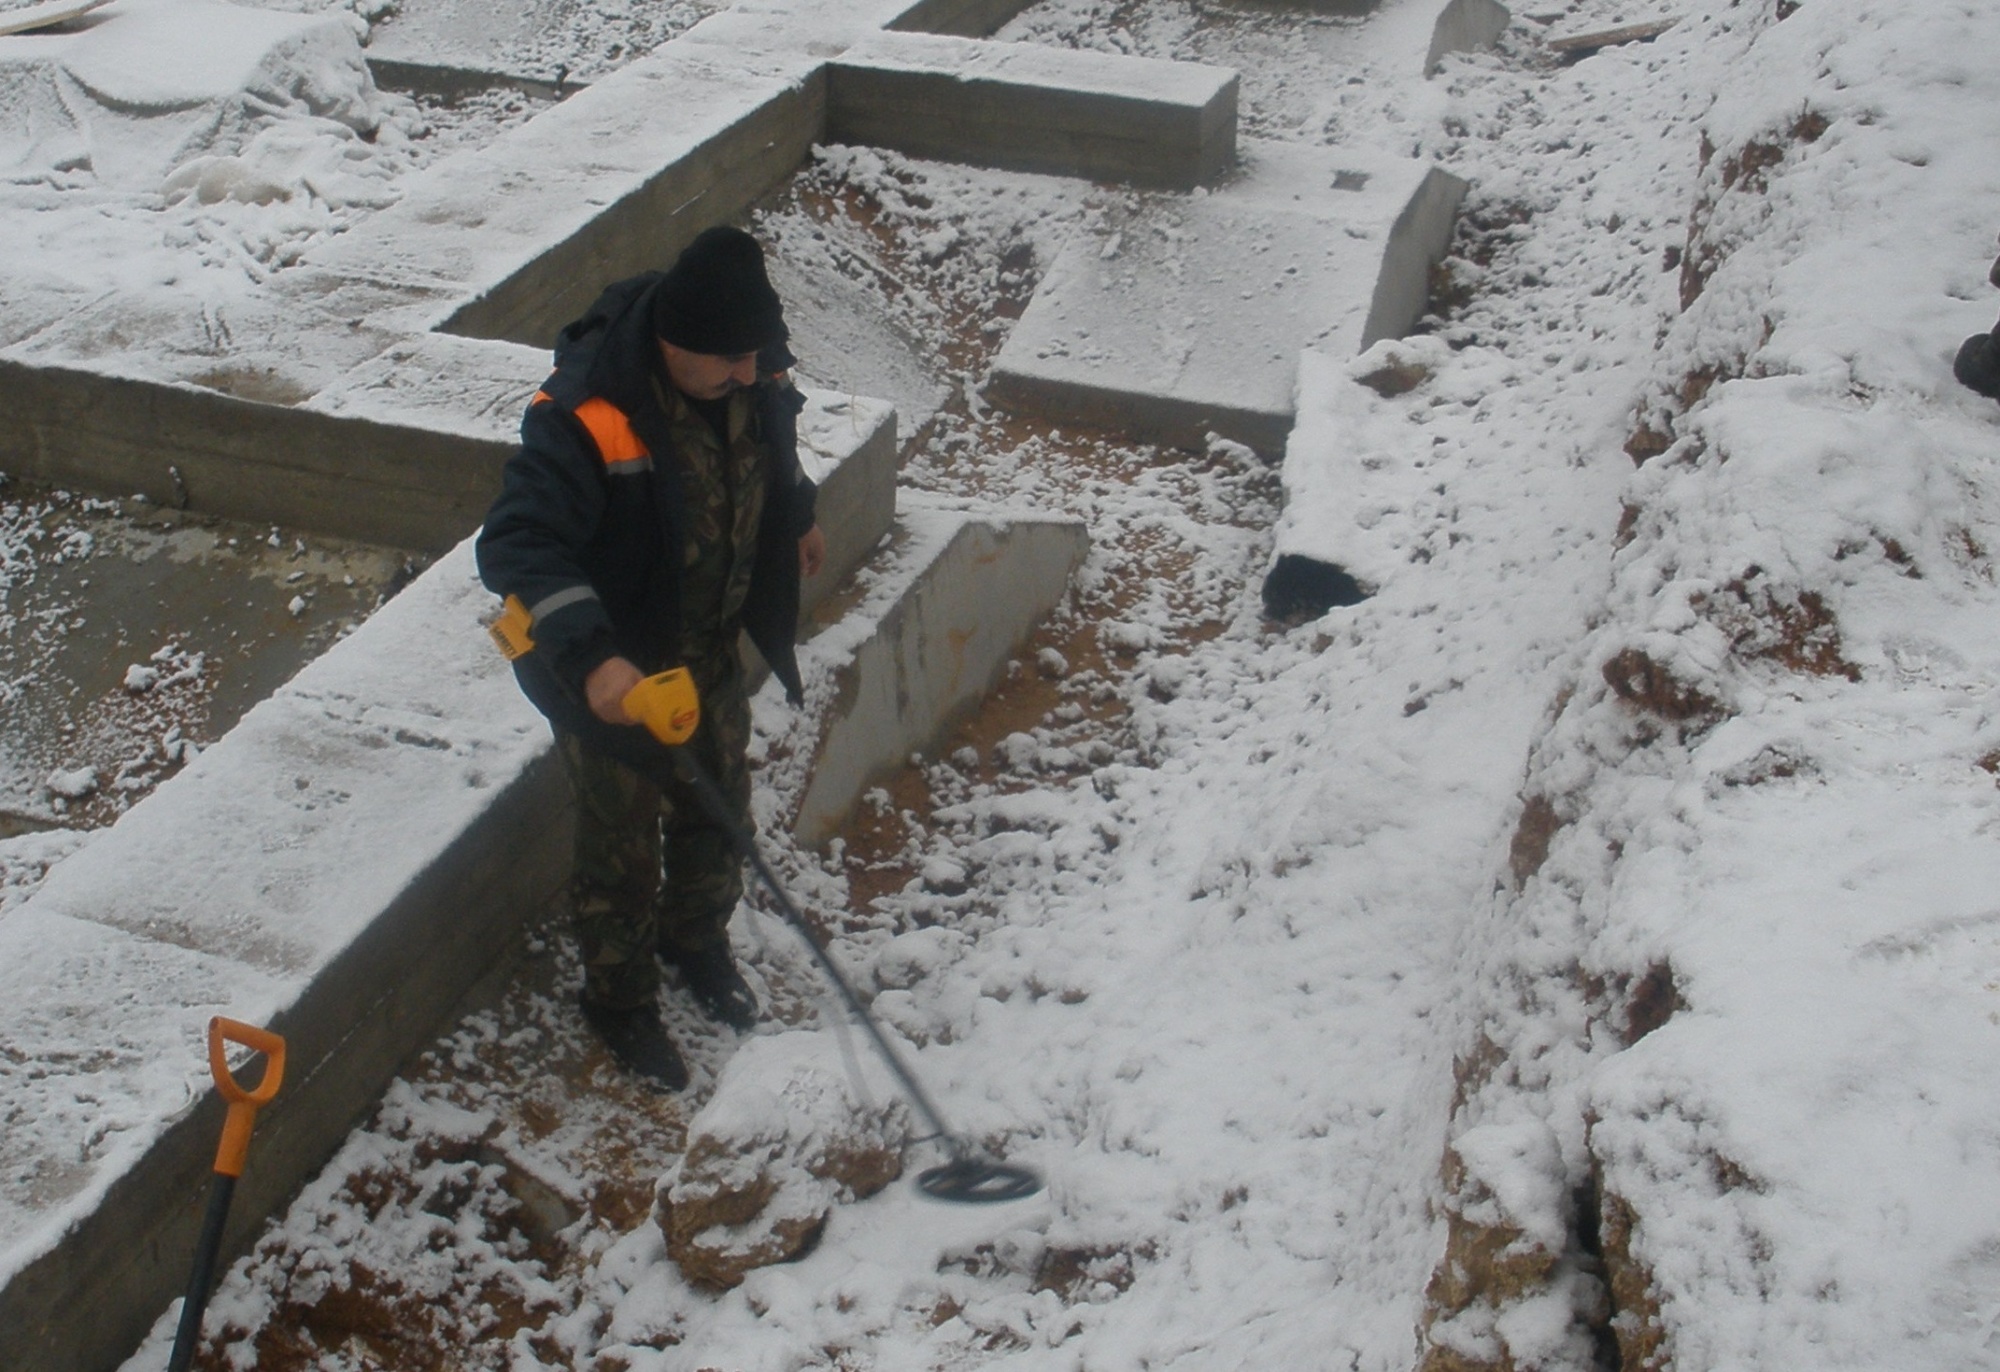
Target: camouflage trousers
652 873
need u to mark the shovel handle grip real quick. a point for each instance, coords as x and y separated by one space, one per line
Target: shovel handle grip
234 1149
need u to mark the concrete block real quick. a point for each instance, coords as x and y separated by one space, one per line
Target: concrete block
1035 108
752 31
523 232
184 446
404 449
1575 45
1466 26
449 82
341 867
971 588
1189 319
477 388
964 18
1417 241
848 445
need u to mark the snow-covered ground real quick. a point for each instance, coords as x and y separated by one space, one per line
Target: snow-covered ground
1579 950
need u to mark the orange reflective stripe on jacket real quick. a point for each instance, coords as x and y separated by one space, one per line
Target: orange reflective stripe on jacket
619 446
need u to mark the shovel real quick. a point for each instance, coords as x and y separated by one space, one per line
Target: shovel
229 1159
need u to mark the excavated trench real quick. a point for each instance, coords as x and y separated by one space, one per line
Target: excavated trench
476 1147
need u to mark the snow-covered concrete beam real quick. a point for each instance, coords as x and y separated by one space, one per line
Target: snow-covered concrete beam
1035 108
1174 336
612 181
963 18
184 445
977 583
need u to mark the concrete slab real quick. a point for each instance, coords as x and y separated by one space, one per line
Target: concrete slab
1188 318
1035 108
972 587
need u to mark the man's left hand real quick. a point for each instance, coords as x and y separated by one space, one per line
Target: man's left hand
812 552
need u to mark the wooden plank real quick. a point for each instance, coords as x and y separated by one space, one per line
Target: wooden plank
1583 44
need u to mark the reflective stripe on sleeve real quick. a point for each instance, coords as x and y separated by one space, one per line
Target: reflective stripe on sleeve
561 600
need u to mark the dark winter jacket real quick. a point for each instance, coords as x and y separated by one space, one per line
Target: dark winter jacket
592 541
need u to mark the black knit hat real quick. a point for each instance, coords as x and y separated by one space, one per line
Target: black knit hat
716 299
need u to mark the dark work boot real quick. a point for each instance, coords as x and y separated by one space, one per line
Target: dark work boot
717 986
640 1043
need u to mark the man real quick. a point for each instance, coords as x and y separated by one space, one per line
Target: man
655 510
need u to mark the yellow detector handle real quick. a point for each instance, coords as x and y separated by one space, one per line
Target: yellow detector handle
667 705
510 631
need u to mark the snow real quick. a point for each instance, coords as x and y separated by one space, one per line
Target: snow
1242 981
26 858
153 85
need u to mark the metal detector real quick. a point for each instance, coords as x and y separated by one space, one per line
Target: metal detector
969 1176
669 712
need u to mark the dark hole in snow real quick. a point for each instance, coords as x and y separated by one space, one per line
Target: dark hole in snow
1301 588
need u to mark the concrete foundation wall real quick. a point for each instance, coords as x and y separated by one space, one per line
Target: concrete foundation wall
1466 26
1158 417
937 651
645 229
197 449
850 443
965 18
1034 108
1421 235
346 1037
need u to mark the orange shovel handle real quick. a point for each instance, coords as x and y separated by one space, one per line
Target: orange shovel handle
243 1104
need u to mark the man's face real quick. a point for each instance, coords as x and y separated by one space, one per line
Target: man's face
708 376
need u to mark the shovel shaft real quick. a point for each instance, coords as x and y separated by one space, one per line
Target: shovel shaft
202 1277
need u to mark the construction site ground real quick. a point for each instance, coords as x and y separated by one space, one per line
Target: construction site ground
1574 956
